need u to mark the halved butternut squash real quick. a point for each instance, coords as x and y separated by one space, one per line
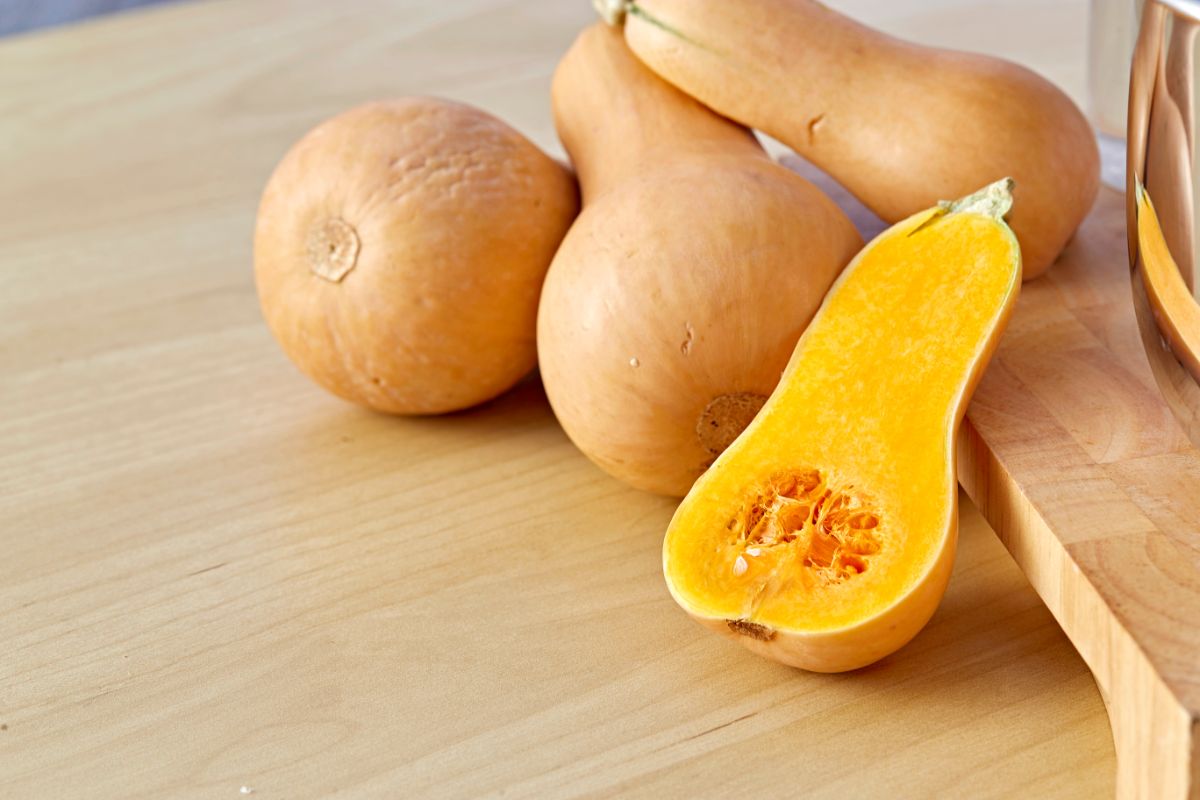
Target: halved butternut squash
823 537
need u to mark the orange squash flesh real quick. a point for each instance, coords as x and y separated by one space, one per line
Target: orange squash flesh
824 536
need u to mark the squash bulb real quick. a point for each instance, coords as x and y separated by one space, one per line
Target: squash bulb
670 310
400 251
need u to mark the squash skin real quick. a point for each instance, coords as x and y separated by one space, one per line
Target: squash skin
872 636
439 221
899 125
692 270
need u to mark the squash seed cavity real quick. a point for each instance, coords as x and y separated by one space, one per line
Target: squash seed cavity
798 526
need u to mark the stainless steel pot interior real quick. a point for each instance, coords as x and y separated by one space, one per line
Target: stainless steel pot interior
1161 189
1185 8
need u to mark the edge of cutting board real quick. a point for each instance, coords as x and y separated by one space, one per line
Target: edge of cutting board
1076 461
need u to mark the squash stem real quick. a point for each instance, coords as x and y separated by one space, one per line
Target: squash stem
614 12
994 200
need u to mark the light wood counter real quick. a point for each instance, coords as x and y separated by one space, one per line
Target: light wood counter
214 576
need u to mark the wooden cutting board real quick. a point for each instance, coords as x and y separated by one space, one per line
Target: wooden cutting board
215 577
1091 483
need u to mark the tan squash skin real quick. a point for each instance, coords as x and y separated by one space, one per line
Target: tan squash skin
687 279
400 251
898 124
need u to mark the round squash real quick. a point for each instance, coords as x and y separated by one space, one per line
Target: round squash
672 306
400 251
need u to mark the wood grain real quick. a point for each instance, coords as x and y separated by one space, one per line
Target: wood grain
215 576
1091 483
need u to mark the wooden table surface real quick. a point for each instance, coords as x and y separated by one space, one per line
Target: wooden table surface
215 579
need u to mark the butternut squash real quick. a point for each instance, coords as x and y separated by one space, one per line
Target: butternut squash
823 537
899 125
670 310
400 251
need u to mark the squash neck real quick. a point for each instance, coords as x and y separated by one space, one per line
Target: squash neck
618 120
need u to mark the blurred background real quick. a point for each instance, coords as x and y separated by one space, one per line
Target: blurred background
25 15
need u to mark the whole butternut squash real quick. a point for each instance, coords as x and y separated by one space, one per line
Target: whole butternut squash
824 536
400 251
898 124
669 312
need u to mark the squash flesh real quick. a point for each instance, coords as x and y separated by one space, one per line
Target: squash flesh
882 370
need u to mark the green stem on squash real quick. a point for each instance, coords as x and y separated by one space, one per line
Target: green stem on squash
614 12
